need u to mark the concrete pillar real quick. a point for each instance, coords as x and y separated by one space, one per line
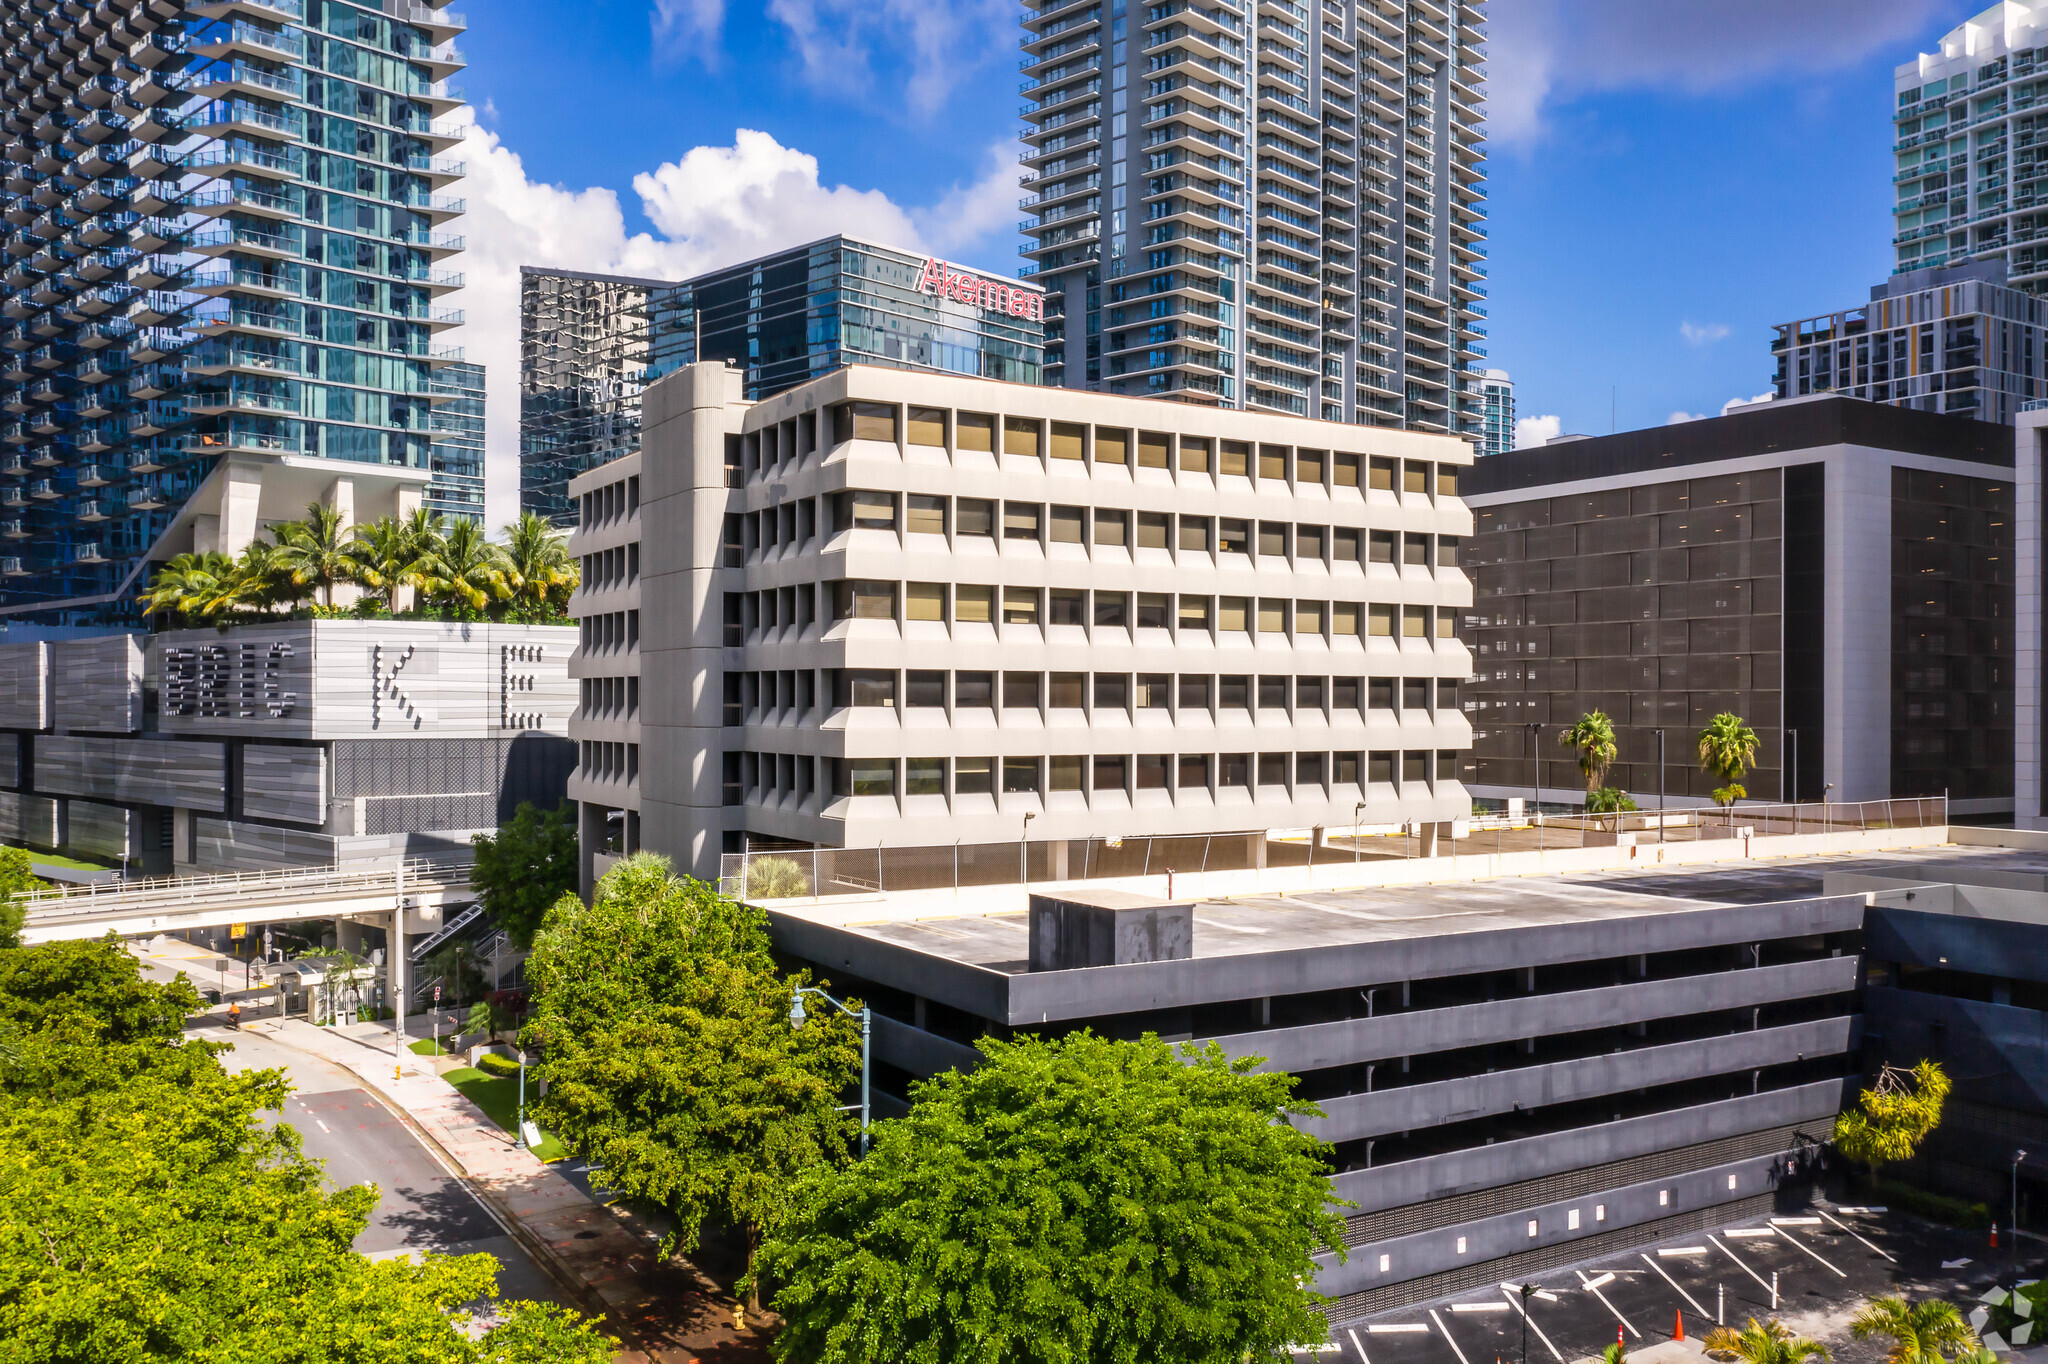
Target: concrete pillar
1258 849
409 497
348 936
206 535
241 492
341 495
394 969
589 838
1058 871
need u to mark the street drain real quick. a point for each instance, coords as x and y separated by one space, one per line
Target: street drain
586 1236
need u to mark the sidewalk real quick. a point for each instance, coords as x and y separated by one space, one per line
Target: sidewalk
664 1313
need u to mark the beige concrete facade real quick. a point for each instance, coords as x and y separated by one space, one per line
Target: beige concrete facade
899 609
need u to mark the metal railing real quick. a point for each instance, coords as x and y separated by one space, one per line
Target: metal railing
106 896
820 872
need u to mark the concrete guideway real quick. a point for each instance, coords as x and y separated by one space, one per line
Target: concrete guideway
138 908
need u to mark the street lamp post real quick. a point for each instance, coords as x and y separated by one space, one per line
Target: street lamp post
1660 786
1355 811
796 1021
1023 844
1826 824
521 1134
1793 736
2014 1225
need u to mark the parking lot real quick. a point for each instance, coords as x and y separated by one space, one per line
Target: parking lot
1823 1264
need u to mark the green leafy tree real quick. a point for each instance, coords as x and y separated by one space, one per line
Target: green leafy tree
97 982
669 1054
1925 1332
1727 748
17 882
1070 1201
459 968
538 566
1894 1116
1591 738
525 867
315 552
1763 1342
1609 800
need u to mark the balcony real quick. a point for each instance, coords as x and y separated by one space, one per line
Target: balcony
88 552
44 490
239 38
95 510
11 567
145 499
14 530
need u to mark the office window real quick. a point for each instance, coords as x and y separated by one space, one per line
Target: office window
1415 550
1308 693
1021 436
1415 622
1447 551
1194 455
1344 771
1346 693
1020 775
1155 610
1308 543
975 431
1194 613
1066 525
1415 694
1233 692
1154 450
1447 693
1308 617
1020 691
1154 529
1152 771
1272 616
1233 613
924 515
1064 771
1234 769
864 688
1414 768
1380 549
973 603
1152 690
924 688
1193 773
1446 622
865 421
1344 546
1112 691
1109 774
1194 692
924 601
927 426
1194 533
1113 528
859 599
977 516
1069 440
1345 471
924 776
1379 767
974 776
1112 447
1273 539
1344 618
870 776
974 690
1273 463
1067 606
1447 764
1379 622
1235 458
1233 536
1273 693
1066 691
1308 468
1447 480
1021 520
1272 769
1415 477
1380 474
1020 606
1112 610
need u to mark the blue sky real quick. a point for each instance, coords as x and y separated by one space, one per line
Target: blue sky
1669 177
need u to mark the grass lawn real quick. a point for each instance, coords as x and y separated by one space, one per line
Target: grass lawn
73 863
427 1046
500 1099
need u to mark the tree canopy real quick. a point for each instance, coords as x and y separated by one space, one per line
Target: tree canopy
1893 1116
525 867
1727 748
1763 1342
1071 1201
1925 1332
17 879
669 1054
1591 737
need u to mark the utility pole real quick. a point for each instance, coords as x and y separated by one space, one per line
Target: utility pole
1660 786
396 947
2017 1157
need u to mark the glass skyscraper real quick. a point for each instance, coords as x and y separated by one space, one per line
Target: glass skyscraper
223 274
1497 412
1282 212
589 344
457 449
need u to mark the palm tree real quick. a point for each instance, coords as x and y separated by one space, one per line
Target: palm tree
538 567
467 568
1593 738
456 963
316 550
1764 1342
385 558
183 587
260 580
1727 748
1925 1332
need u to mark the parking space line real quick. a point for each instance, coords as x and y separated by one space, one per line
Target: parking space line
1674 1284
1523 1309
1447 1336
1851 1230
1358 1345
1805 1249
1594 1286
1738 1260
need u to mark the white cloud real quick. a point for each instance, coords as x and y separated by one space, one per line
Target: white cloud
1547 52
712 206
688 28
1700 334
1768 395
929 47
1677 417
1531 432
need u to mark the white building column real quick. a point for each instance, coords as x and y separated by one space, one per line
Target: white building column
1857 691
2027 620
241 493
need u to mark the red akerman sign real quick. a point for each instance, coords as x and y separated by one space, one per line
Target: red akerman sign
1010 299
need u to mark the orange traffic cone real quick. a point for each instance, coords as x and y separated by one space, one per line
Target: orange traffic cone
1678 1332
1994 1236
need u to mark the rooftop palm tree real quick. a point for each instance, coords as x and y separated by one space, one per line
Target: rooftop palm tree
1764 1342
1925 1332
185 586
1727 748
315 551
538 567
385 558
466 568
260 580
1593 739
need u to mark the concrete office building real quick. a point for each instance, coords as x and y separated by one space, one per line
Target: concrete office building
1516 1074
291 744
223 281
1497 408
1839 573
1967 141
1281 213
1955 340
591 344
897 608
